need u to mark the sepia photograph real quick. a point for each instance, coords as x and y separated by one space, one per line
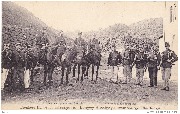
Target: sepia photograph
89 55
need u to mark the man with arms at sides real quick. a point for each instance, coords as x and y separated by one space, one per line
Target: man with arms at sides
114 60
168 58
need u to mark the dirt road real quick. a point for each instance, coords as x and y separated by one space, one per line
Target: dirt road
102 93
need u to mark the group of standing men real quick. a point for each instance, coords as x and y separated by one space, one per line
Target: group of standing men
143 59
17 62
16 67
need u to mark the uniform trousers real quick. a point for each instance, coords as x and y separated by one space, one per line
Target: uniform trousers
114 73
140 75
127 71
4 75
18 78
27 78
166 74
153 75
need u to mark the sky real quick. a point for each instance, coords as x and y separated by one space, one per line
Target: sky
88 16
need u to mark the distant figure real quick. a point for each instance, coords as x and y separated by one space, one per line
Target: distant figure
60 40
96 43
60 44
43 38
114 60
79 41
168 58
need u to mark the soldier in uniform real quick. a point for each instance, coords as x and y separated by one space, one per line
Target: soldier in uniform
43 38
114 60
6 63
79 41
168 58
18 68
127 64
97 47
154 59
60 45
96 43
43 43
140 61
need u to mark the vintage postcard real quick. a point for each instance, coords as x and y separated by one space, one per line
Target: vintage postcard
89 55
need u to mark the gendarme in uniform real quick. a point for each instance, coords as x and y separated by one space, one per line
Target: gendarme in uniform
43 38
18 65
127 63
154 59
6 63
168 58
114 60
79 41
140 61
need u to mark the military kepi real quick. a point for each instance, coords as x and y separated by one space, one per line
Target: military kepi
167 44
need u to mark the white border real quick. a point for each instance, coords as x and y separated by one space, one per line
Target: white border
85 111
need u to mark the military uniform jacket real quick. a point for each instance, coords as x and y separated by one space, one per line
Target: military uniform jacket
96 43
30 58
128 58
140 60
114 58
6 59
18 59
168 55
43 56
154 59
